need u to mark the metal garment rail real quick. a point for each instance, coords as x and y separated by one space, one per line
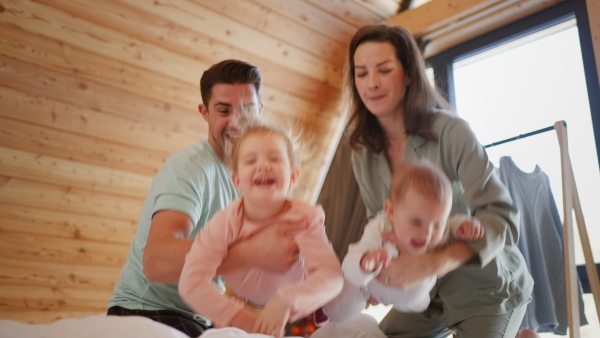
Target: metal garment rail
539 131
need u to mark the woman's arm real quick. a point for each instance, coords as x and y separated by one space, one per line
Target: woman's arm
406 270
462 158
486 196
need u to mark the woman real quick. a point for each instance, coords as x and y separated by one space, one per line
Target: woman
397 116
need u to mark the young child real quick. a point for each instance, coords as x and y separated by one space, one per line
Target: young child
263 168
412 222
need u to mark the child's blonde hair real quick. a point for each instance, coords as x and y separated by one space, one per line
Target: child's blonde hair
423 176
263 129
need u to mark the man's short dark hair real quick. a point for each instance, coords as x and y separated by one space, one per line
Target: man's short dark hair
230 72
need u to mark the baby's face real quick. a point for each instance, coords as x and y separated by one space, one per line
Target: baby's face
418 221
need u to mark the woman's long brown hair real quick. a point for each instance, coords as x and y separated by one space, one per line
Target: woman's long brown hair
420 100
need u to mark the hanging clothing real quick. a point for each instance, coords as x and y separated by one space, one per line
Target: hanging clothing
541 243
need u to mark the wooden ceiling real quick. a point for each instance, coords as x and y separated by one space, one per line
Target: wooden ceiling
148 55
95 95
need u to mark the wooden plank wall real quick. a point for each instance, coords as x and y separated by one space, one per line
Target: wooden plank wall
95 95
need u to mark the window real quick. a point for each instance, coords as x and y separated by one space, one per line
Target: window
523 78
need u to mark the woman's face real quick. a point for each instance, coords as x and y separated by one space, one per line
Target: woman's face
379 77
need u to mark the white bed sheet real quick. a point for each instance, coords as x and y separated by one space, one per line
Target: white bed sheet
103 326
363 326
100 326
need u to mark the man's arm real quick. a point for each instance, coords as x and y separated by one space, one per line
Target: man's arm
274 248
168 244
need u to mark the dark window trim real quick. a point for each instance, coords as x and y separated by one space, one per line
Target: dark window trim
442 62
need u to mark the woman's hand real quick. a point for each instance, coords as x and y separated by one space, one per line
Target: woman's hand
409 270
406 271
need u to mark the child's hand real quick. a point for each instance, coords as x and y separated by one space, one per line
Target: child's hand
246 318
470 230
273 318
371 261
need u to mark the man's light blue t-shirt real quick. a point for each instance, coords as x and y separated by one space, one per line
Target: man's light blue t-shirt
193 181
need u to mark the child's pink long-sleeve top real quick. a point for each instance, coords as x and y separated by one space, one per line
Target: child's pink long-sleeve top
309 284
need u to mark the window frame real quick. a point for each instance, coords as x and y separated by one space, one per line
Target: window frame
564 11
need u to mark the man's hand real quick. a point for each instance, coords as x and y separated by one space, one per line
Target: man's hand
273 318
274 248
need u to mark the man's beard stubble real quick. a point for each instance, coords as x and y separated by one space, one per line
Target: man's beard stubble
226 145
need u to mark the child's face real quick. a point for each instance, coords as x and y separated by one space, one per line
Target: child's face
418 221
264 172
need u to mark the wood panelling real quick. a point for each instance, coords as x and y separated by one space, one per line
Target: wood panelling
53 298
54 197
38 139
43 316
43 222
27 165
58 250
52 113
95 95
82 64
87 93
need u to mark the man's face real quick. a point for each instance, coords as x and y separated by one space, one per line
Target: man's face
228 108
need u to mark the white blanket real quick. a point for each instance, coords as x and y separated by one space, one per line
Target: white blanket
363 326
102 326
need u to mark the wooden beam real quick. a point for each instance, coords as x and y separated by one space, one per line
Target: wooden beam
481 23
438 13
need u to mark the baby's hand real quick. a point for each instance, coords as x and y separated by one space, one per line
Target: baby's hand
470 230
371 261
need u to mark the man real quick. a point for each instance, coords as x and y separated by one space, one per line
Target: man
190 187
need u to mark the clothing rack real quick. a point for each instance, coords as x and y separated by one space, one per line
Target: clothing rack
535 132
570 203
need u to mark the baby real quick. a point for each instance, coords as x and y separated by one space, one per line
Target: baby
263 168
414 220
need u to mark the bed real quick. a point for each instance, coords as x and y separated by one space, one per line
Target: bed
102 326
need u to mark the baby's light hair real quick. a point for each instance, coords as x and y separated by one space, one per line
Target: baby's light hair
423 176
256 127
